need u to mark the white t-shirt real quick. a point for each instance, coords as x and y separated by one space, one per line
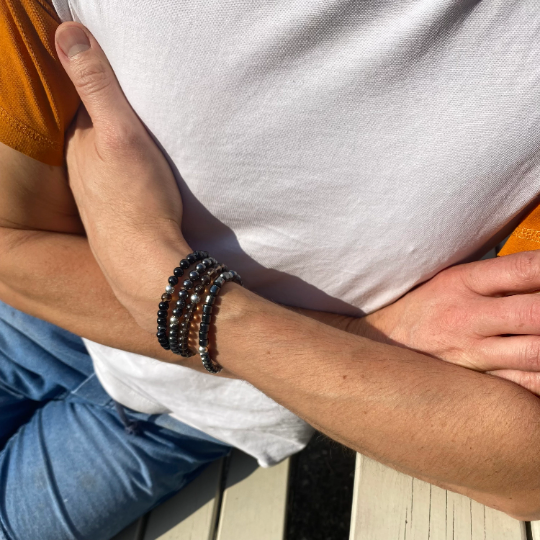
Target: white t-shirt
335 154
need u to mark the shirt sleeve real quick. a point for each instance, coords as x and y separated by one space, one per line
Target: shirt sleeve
37 99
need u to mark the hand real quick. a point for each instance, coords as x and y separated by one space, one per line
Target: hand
127 196
479 315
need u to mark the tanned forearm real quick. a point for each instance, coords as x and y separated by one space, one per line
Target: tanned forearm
55 277
453 427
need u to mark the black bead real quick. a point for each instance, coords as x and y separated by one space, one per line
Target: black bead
167 347
163 339
214 289
184 264
162 322
207 309
162 313
173 280
210 299
176 312
199 288
181 304
204 326
183 294
203 335
191 258
194 275
188 285
161 328
206 318
200 268
219 281
163 305
203 342
178 272
205 280
161 333
207 263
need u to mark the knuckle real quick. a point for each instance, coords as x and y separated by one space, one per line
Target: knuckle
92 78
524 268
530 355
529 314
119 138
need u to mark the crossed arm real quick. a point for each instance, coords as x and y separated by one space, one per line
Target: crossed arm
455 427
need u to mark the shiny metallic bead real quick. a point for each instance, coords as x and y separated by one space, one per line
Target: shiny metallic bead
203 349
174 321
188 285
194 275
195 298
200 268
169 289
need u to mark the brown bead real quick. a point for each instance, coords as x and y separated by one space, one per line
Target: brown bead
166 297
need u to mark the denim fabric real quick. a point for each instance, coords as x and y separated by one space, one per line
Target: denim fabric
69 468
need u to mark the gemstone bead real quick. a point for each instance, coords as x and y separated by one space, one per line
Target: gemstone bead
206 317
184 264
173 280
200 268
191 258
174 321
181 303
214 289
210 299
178 272
169 289
176 312
195 298
166 297
203 349
194 275
161 333
162 321
205 280
219 281
204 327
199 288
163 305
183 295
203 342
207 263
207 309
188 285
162 313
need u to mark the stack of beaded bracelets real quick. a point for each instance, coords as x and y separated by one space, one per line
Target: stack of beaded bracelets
176 340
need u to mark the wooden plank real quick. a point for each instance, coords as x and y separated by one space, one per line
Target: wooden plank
388 504
191 514
132 532
254 501
535 529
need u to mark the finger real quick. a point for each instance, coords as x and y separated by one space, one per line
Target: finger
518 314
93 78
528 380
519 353
512 274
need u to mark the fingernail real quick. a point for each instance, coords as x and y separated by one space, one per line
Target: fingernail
72 40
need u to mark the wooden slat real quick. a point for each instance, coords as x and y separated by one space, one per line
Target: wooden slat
535 528
133 531
388 504
255 500
191 514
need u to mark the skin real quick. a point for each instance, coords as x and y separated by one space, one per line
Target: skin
439 421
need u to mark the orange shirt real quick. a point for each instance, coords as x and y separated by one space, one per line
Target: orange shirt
37 99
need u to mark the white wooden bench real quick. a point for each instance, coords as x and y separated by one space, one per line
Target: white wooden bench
247 502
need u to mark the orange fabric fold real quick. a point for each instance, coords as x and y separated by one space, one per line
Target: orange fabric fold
526 236
37 99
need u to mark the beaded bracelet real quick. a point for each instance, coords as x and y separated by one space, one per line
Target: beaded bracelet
202 272
211 365
166 297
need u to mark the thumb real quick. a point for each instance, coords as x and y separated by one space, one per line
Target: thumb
92 75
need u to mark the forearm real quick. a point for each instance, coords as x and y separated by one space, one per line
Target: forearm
55 277
445 424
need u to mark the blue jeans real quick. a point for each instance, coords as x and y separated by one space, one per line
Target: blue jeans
73 464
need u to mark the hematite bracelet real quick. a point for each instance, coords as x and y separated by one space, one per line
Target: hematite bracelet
180 322
166 297
209 364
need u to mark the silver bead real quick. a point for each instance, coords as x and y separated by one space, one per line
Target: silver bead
169 289
195 298
174 321
203 349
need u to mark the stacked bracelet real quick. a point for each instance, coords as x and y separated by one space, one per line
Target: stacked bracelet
211 365
174 337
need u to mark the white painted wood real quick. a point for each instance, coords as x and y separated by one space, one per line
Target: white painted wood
535 528
132 532
392 505
192 513
255 500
